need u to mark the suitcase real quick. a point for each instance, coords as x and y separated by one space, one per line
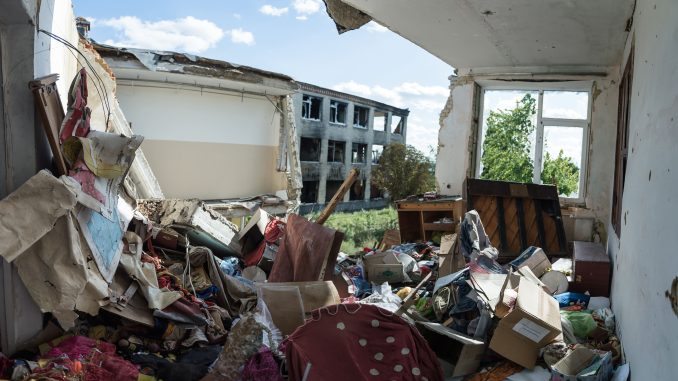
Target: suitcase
591 269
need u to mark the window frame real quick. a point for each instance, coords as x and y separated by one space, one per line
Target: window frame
331 150
622 143
334 105
356 109
540 88
309 101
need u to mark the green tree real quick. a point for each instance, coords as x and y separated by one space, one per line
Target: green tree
403 171
561 171
506 150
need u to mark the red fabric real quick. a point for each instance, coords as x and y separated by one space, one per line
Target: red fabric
359 342
305 250
262 367
76 122
95 359
273 231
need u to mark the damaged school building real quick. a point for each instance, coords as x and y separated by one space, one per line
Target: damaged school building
121 259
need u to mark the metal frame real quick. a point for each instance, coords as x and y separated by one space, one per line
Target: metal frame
585 124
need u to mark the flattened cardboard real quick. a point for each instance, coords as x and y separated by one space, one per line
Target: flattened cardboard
458 354
384 267
285 306
533 322
314 295
537 261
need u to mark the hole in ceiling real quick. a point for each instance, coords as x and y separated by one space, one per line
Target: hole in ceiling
672 295
487 12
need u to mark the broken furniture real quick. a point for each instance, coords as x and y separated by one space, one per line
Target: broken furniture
518 215
419 220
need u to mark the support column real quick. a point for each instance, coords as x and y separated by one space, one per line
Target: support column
324 170
368 166
403 130
389 119
348 158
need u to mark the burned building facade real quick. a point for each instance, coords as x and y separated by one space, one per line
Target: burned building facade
336 132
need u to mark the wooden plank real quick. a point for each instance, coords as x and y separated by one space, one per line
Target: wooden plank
502 224
521 222
511 225
51 111
540 222
338 196
443 227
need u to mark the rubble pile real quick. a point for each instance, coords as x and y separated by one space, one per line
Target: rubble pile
171 290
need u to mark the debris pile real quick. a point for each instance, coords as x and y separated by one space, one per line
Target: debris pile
172 290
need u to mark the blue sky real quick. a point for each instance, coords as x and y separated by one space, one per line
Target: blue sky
293 37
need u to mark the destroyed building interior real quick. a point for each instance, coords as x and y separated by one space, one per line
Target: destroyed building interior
134 248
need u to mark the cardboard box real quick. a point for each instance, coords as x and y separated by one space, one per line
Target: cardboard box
591 269
450 260
533 322
458 354
534 258
384 267
583 364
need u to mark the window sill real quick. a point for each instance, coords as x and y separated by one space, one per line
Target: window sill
310 119
360 127
338 124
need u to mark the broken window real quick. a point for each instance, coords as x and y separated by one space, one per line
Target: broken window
310 107
309 149
397 121
357 191
335 151
536 135
361 117
379 121
359 153
622 152
331 187
377 150
309 192
338 112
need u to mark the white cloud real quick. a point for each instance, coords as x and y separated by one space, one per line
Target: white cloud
424 102
418 89
241 36
306 7
187 34
273 11
372 26
237 16
302 18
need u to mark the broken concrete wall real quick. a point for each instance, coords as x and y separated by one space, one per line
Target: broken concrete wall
645 255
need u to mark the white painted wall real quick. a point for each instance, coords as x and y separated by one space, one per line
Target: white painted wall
203 143
645 259
189 114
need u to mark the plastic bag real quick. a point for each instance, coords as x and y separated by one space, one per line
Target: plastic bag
582 322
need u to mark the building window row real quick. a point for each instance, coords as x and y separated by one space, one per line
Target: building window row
310 151
311 109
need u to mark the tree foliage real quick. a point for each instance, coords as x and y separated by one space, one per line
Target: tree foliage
507 151
403 171
561 171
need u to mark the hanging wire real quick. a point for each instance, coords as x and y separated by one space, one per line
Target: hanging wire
101 88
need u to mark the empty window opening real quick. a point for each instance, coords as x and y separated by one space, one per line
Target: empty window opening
361 117
357 191
535 136
377 150
331 187
359 153
379 121
310 107
309 149
335 151
309 192
338 112
397 124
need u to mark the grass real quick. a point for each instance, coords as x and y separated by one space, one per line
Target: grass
364 228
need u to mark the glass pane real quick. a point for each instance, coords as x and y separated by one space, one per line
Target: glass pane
561 164
566 104
507 143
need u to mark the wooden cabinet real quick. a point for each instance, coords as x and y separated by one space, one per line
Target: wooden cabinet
419 220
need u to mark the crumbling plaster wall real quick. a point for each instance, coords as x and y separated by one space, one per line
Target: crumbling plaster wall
644 256
458 135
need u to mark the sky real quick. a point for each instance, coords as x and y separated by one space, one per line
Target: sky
292 37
